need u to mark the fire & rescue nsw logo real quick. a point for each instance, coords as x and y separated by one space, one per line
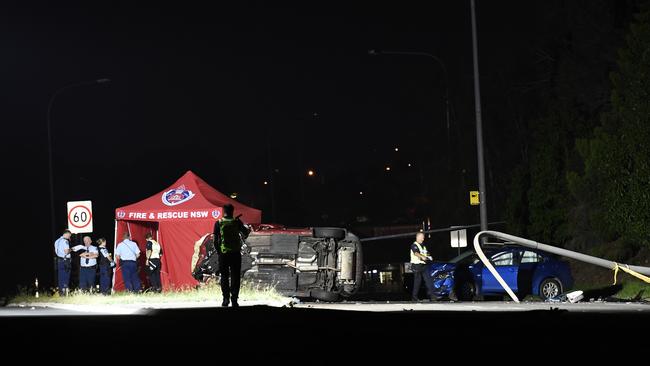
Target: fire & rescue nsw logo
177 196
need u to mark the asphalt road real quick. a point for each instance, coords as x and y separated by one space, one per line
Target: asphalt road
487 306
318 333
597 307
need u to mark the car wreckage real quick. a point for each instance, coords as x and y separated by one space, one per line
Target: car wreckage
320 263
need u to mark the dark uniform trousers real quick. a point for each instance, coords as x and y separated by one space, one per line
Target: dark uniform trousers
63 272
87 277
130 275
105 277
419 274
154 276
230 270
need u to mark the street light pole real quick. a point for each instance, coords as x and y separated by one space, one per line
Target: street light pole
49 142
479 128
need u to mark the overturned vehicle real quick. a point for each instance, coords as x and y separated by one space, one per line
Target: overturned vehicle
319 263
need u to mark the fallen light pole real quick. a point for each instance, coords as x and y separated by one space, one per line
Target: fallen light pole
636 271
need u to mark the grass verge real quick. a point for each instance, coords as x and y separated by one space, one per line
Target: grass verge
209 292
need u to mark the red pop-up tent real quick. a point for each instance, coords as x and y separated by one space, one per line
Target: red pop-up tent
178 216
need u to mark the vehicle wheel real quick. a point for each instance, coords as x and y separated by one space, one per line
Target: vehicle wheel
320 294
466 291
550 288
329 232
452 295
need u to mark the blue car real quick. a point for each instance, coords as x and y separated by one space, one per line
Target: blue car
526 271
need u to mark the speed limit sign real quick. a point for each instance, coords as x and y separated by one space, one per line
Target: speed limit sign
80 217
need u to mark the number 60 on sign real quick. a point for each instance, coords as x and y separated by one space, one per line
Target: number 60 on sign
80 217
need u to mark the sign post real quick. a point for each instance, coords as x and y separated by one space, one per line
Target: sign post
458 239
80 217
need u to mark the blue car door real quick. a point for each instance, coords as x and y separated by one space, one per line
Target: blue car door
506 265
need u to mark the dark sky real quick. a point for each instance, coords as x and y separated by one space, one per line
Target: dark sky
235 92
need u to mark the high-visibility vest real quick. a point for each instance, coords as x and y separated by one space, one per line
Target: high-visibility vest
155 249
423 251
229 232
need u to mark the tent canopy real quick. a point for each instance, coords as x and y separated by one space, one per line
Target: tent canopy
190 198
177 217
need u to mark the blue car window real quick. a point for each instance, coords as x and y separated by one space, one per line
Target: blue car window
531 257
504 259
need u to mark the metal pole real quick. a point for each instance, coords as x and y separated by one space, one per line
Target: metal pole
51 169
479 128
562 252
49 154
271 175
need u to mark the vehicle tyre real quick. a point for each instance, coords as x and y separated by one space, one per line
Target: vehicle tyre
550 288
452 295
320 294
466 291
329 232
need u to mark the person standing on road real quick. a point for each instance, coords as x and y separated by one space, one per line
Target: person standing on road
63 261
229 234
419 259
127 253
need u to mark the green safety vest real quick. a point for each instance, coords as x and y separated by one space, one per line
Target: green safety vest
229 235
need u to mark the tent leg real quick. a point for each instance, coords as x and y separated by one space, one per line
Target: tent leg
114 247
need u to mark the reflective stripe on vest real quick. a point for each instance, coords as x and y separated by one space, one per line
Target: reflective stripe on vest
423 251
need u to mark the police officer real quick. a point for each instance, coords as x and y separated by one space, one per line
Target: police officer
63 261
154 254
106 265
228 234
126 254
419 259
88 265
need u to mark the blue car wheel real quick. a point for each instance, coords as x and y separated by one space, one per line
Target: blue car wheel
550 288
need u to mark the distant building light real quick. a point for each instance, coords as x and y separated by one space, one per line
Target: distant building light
266 183
361 193
374 271
388 169
310 173
409 165
397 149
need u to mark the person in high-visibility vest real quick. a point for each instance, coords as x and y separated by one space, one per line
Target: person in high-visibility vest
419 259
229 234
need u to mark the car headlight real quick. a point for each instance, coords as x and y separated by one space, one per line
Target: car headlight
442 275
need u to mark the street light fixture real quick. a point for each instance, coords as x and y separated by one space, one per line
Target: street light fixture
49 140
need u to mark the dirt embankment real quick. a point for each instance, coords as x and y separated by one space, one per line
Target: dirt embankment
593 276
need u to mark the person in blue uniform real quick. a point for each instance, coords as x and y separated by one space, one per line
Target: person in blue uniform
88 265
106 265
63 261
126 254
